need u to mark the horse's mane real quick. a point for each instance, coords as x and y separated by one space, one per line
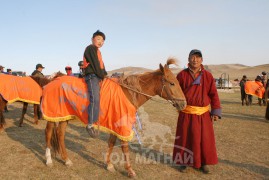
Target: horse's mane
133 81
171 61
55 75
42 81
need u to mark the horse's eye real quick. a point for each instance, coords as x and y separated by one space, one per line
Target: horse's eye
172 84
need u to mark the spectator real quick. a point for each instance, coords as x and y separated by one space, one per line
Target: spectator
81 69
264 82
38 71
242 89
68 70
258 79
9 71
1 69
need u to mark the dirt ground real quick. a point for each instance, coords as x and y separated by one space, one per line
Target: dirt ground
242 138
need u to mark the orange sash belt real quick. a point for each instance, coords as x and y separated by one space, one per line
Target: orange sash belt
195 110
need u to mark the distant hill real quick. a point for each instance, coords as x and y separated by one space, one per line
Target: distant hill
234 71
130 70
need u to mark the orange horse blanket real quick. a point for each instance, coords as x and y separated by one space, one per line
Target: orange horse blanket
66 98
254 88
15 88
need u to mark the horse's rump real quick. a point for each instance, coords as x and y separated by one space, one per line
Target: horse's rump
15 88
66 98
254 88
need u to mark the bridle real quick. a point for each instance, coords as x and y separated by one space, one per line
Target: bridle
170 97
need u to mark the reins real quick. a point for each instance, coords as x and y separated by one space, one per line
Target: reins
169 101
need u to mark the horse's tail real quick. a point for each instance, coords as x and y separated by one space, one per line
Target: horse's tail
55 140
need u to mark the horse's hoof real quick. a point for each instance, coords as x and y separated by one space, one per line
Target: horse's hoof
110 168
49 163
131 174
68 162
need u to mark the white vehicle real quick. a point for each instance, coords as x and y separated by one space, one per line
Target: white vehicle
223 84
18 73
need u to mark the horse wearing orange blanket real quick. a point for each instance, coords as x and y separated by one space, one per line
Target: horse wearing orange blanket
254 88
136 88
24 89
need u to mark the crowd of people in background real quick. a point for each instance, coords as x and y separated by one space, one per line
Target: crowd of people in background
39 68
38 72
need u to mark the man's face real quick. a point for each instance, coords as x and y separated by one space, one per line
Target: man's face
98 41
195 61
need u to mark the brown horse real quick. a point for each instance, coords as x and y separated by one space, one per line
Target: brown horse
253 88
41 82
161 82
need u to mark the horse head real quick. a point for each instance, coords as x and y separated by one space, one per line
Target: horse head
171 89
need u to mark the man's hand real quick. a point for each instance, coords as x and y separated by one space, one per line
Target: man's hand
214 118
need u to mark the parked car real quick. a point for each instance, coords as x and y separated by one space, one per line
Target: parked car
18 73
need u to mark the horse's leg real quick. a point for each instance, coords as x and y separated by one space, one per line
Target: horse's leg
36 113
2 118
259 101
125 150
246 99
243 97
111 143
48 135
39 114
250 99
61 134
24 109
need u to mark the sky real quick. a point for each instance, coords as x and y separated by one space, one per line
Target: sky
140 33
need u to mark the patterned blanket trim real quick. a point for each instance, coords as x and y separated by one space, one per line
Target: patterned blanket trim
101 128
23 100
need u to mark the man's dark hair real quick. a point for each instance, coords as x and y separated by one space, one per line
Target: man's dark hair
99 33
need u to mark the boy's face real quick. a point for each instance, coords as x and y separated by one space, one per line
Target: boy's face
98 41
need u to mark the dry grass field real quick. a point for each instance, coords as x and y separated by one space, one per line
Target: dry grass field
242 138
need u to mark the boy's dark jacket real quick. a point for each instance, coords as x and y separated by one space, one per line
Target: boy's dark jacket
94 67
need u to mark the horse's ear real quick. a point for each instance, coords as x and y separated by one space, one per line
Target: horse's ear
161 68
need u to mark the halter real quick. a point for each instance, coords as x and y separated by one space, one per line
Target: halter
171 99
